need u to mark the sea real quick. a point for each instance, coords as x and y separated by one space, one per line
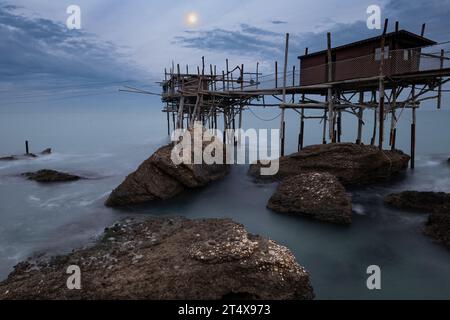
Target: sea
106 145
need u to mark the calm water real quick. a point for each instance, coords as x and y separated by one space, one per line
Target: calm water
107 146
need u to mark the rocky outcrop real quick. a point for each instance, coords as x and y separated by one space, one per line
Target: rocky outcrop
25 156
158 178
168 259
351 163
437 204
318 195
427 202
50 176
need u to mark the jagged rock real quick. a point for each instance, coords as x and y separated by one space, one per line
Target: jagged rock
318 195
168 259
49 176
46 151
351 163
159 178
437 204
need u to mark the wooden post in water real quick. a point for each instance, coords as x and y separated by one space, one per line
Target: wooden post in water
27 150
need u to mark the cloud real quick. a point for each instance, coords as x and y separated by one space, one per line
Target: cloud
263 43
278 22
40 48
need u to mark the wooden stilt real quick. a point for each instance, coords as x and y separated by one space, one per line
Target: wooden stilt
439 98
360 118
413 129
283 124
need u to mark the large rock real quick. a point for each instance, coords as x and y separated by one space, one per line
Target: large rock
437 204
318 195
351 163
168 259
50 176
158 178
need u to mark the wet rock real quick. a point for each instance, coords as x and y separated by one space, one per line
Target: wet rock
168 259
318 195
158 178
9 158
25 156
437 204
352 164
49 176
427 202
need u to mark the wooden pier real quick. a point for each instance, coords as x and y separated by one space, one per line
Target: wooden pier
387 76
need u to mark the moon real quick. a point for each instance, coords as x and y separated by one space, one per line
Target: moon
192 19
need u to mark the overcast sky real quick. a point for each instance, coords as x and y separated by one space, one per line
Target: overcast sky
134 40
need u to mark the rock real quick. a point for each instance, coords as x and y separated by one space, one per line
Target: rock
46 151
48 176
427 202
158 178
352 164
168 259
435 203
438 227
318 195
9 158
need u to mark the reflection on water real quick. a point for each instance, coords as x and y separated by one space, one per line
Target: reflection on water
53 219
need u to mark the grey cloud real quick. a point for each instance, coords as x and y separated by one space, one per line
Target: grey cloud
278 22
40 48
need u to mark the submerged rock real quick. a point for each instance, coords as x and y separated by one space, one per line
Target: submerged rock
25 156
158 178
317 195
168 259
48 176
351 163
437 204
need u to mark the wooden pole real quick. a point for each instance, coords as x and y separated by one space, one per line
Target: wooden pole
302 130
27 150
257 75
413 129
360 118
439 98
397 26
381 88
330 90
422 33
324 132
393 119
339 126
283 124
276 74
228 76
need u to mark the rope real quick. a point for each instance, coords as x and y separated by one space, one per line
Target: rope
267 120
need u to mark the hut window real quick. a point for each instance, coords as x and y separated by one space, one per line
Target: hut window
378 53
